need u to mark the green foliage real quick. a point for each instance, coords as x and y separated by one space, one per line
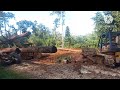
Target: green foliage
68 37
78 45
58 39
4 17
4 23
116 21
4 20
59 19
9 74
100 25
23 25
41 36
89 40
67 33
60 15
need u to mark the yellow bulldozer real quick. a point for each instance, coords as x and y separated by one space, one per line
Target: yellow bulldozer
108 51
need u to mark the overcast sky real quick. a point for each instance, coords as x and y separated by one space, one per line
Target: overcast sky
80 22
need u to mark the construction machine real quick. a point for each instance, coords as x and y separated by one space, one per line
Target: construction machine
108 51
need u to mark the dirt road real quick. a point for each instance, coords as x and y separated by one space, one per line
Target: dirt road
48 68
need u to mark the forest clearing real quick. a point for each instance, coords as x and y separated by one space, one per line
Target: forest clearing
31 49
48 67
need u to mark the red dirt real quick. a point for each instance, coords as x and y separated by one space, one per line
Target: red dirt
47 68
51 58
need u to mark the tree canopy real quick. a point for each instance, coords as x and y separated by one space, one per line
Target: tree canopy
41 35
60 19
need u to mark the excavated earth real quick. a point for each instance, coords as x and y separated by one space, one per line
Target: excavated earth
47 67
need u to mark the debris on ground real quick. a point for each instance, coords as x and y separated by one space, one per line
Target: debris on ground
47 67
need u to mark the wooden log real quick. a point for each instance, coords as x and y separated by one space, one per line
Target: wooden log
7 50
45 49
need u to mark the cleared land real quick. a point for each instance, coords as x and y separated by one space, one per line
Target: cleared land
48 67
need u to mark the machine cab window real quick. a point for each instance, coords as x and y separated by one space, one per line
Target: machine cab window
109 41
118 41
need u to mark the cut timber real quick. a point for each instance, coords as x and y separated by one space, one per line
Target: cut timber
7 50
48 49
45 49
28 53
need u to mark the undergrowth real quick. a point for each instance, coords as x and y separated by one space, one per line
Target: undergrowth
10 74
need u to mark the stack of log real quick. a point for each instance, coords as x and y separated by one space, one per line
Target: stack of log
31 52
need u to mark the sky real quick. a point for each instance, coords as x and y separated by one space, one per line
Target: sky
79 22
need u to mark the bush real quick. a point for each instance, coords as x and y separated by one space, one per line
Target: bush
77 45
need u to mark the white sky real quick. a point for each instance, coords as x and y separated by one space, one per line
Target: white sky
80 22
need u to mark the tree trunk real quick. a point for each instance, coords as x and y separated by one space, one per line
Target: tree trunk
62 30
45 49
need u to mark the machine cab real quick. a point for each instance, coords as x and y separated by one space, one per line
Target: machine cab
109 42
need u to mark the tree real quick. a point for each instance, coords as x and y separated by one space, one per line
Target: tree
34 26
67 37
60 17
4 20
67 32
41 36
58 39
14 30
23 25
116 21
101 26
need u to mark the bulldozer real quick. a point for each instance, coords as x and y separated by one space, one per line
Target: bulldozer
108 51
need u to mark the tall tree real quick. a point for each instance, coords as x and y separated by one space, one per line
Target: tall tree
67 37
116 21
101 26
60 18
4 22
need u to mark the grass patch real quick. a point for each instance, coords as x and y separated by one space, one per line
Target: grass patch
61 58
9 74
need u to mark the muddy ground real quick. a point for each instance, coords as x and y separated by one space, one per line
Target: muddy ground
48 67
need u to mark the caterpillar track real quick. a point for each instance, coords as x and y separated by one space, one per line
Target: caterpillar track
96 57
